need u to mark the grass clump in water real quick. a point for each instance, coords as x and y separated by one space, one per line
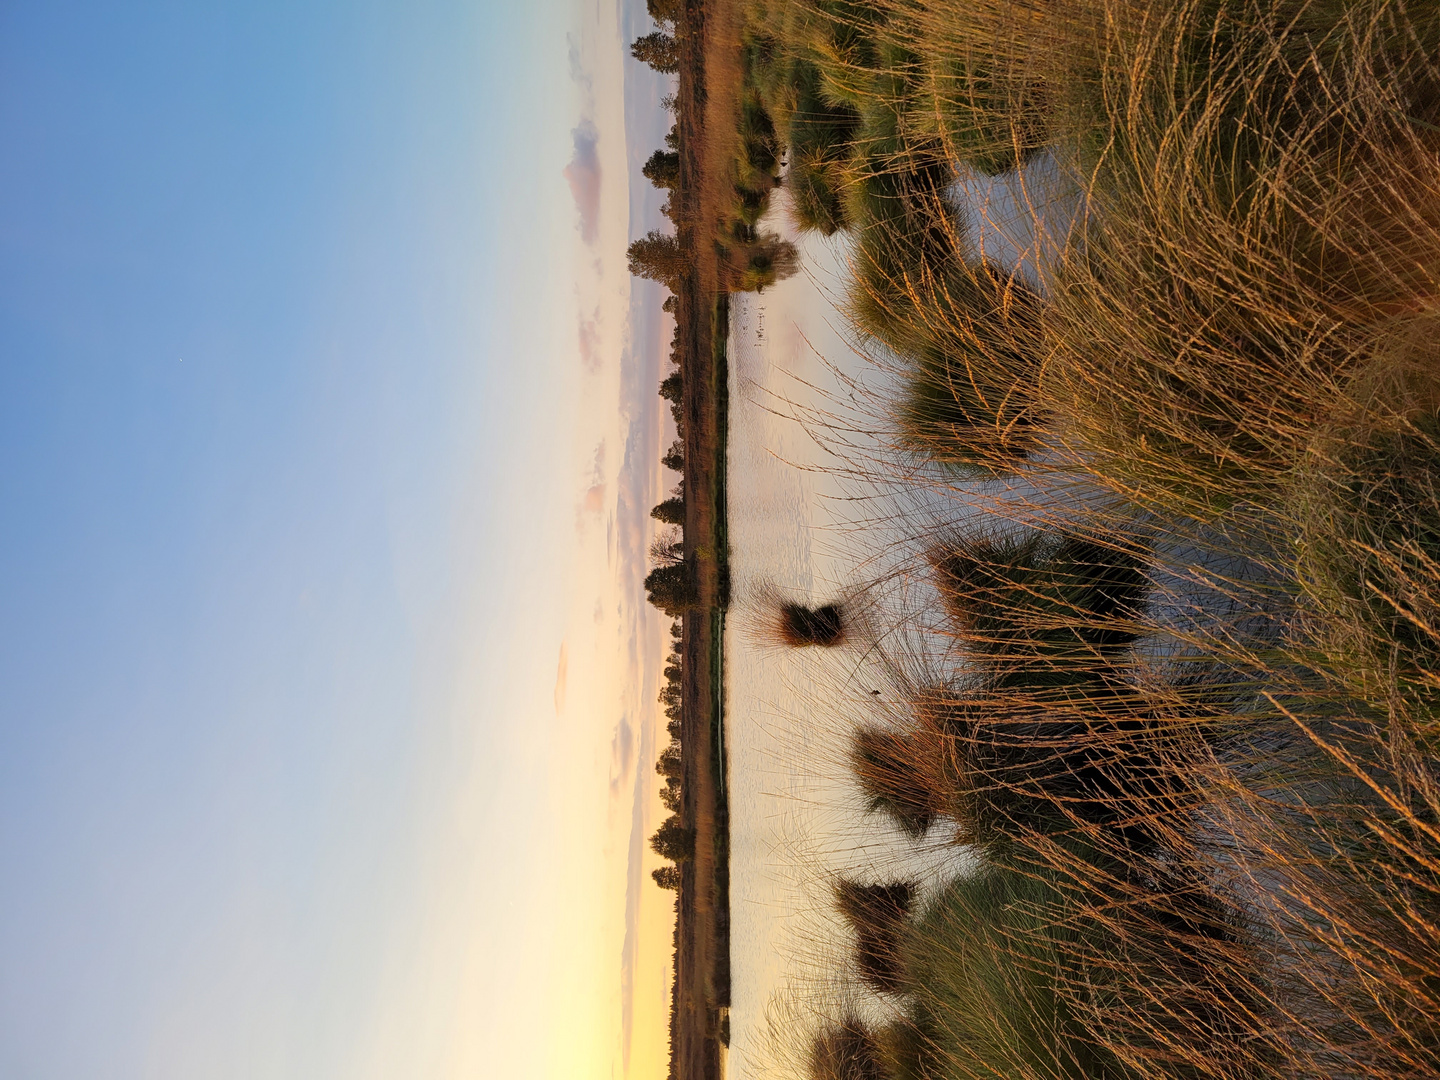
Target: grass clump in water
823 626
876 915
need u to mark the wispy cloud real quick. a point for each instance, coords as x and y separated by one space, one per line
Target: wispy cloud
622 756
593 502
562 674
634 882
578 72
590 356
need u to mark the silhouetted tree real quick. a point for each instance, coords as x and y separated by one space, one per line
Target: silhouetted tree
672 589
663 169
669 761
667 548
667 877
670 694
674 458
673 841
672 387
659 50
670 794
671 511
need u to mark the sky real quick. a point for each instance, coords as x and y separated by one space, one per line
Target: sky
327 440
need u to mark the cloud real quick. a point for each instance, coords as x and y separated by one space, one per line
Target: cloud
578 74
593 502
634 882
562 673
622 755
590 345
583 174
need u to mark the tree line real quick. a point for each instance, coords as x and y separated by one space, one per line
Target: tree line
750 259
673 841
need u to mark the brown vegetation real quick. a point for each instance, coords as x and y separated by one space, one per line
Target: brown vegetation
1208 826
800 625
876 915
698 264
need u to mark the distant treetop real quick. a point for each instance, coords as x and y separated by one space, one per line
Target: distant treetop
663 11
663 168
658 257
658 49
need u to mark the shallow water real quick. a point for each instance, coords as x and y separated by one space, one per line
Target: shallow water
796 821
809 522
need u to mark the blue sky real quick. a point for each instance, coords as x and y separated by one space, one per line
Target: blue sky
288 504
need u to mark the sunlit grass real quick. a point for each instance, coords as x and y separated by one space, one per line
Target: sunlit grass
1211 828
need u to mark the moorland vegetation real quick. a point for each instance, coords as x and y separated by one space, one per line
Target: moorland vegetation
1185 705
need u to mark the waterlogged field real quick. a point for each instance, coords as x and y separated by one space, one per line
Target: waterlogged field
812 521
797 820
1085 517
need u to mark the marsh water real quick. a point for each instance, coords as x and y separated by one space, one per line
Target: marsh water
803 529
818 514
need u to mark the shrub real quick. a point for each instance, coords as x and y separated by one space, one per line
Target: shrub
876 915
846 1050
1000 981
759 149
1031 753
819 137
1369 551
815 194
1076 967
897 773
818 127
970 335
757 265
800 625
1053 592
